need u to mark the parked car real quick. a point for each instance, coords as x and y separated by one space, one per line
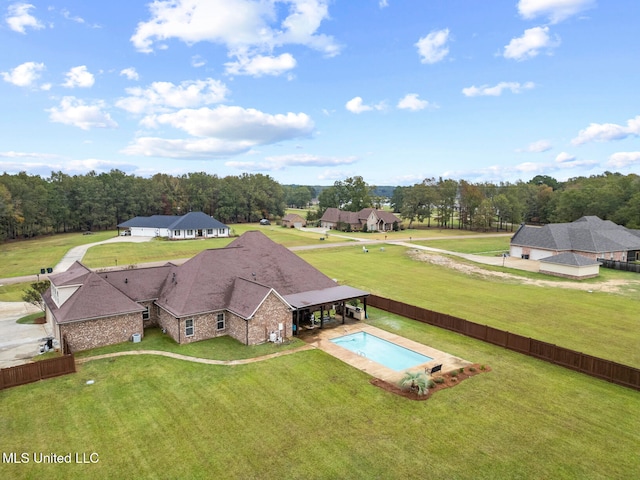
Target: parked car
125 233
265 221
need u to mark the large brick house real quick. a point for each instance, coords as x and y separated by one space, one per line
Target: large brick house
253 290
374 220
189 225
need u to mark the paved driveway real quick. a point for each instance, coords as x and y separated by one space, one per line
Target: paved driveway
18 343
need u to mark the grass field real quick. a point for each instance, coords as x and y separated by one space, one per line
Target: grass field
27 257
310 416
490 246
573 319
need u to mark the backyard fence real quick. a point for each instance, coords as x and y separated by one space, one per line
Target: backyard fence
581 362
32 372
616 265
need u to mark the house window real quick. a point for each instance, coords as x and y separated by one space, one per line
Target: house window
176 233
189 232
209 231
188 328
220 322
221 231
145 314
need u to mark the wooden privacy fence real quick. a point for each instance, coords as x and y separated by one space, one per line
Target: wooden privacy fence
32 372
616 265
581 362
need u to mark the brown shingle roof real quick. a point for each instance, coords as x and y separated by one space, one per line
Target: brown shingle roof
96 298
74 275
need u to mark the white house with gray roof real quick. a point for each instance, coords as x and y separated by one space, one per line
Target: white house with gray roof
589 237
190 225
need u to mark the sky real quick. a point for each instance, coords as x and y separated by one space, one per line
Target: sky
315 91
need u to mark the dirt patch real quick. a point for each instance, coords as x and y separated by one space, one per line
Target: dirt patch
609 286
450 379
40 321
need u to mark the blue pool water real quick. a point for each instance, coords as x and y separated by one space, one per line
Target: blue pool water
381 351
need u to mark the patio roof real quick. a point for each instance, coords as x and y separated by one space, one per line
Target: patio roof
324 296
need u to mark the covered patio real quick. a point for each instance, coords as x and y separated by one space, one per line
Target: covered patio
306 304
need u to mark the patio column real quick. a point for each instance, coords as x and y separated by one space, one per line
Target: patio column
364 300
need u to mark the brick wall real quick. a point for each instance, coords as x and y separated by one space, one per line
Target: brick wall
204 327
272 312
100 332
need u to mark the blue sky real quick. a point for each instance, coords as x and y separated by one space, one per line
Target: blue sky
314 91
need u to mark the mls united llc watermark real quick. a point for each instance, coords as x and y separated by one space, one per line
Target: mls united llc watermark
40 457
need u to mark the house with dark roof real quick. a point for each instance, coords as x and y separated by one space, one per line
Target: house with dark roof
589 237
570 265
253 290
190 225
374 220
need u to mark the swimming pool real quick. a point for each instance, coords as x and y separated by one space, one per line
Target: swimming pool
381 351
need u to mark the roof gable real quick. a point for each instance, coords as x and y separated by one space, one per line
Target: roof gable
74 275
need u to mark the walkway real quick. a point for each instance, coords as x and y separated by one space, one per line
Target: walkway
187 358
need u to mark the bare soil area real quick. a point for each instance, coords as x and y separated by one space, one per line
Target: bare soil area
609 286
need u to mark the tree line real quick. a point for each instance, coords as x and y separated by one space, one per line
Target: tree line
31 205
482 206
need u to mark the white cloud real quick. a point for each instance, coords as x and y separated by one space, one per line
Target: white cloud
496 90
624 159
295 160
260 65
161 96
24 75
18 18
248 28
356 105
411 102
432 48
34 155
197 61
130 73
564 157
383 3
539 146
73 111
223 131
555 10
66 14
529 45
79 77
604 132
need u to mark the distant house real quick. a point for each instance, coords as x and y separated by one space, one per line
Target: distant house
190 225
293 220
375 220
589 237
253 290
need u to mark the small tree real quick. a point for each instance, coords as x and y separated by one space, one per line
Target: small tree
34 293
416 382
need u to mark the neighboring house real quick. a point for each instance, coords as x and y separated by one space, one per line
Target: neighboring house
590 237
190 225
375 220
253 290
293 220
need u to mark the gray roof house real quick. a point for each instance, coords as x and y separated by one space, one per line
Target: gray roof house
589 236
375 220
570 265
190 225
253 290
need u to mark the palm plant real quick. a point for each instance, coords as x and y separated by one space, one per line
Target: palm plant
415 381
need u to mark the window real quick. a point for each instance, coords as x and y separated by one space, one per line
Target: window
188 328
220 323
176 233
189 232
145 314
209 231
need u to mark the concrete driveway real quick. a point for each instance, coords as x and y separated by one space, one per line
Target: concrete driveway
19 343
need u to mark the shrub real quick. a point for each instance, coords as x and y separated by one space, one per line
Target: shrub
454 374
472 369
415 381
482 367
461 370
438 380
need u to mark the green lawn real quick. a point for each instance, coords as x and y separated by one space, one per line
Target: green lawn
574 319
308 415
490 246
27 257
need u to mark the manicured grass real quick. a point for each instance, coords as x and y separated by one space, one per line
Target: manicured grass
30 319
221 348
27 257
159 250
491 246
308 415
600 324
13 292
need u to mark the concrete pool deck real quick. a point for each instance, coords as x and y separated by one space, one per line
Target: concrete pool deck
321 338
